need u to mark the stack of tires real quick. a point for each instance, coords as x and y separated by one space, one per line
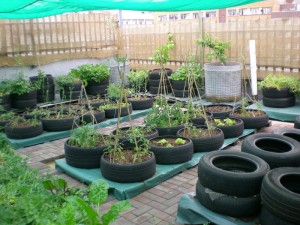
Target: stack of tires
229 182
280 197
46 92
97 88
5 102
24 101
155 79
281 98
180 88
71 91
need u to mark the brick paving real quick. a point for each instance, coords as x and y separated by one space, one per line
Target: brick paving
157 205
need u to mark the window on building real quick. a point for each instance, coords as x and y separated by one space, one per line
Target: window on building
195 16
184 16
266 10
232 12
210 14
244 12
162 18
173 17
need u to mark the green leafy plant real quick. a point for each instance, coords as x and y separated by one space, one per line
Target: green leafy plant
280 81
138 80
165 143
20 86
217 48
85 137
7 116
90 72
4 88
21 122
180 141
183 72
224 122
162 54
114 91
66 80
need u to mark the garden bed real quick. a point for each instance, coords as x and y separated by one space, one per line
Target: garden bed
123 191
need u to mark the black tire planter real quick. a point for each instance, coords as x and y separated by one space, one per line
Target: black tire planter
96 105
161 90
2 125
6 107
99 116
113 113
288 132
66 95
206 144
128 173
155 74
45 98
4 99
253 122
277 150
87 158
141 104
72 87
47 80
28 96
163 131
279 102
201 120
47 88
24 104
297 122
23 132
220 114
180 93
172 155
96 83
267 218
53 125
231 131
228 205
154 83
232 173
96 90
280 193
179 84
275 93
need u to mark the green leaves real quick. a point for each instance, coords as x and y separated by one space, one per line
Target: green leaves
114 212
98 192
162 54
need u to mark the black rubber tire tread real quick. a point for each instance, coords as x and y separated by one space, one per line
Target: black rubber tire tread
229 205
275 93
2 125
253 122
99 116
23 132
43 98
172 155
154 90
267 218
128 173
280 193
154 83
297 122
220 171
163 131
47 80
155 74
27 96
24 104
206 144
279 102
180 93
96 90
87 158
280 151
50 88
179 84
4 99
113 113
52 125
6 107
69 95
142 103
96 104
74 87
220 114
94 83
233 130
288 132
201 121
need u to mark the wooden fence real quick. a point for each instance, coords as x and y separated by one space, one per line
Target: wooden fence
81 35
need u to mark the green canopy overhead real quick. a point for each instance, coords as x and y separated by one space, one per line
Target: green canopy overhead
29 9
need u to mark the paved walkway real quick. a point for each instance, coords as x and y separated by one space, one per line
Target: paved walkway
157 205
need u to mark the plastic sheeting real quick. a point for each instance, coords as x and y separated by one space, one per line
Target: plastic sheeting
190 211
283 114
27 9
123 191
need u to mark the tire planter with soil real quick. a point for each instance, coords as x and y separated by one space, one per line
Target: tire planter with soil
113 112
219 110
231 131
254 122
71 91
275 93
87 117
163 131
86 158
288 132
161 90
232 173
155 74
28 100
180 93
128 173
53 125
5 102
171 155
277 150
297 122
228 205
46 81
140 104
201 120
206 144
179 84
155 83
97 89
280 193
23 132
279 102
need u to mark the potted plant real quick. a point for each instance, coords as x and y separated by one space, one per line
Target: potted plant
223 80
35 113
219 110
114 92
279 90
93 102
204 139
5 118
84 148
70 86
231 127
92 115
171 149
94 77
23 93
45 84
21 128
112 110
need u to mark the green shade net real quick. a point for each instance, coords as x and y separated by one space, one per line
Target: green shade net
28 9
